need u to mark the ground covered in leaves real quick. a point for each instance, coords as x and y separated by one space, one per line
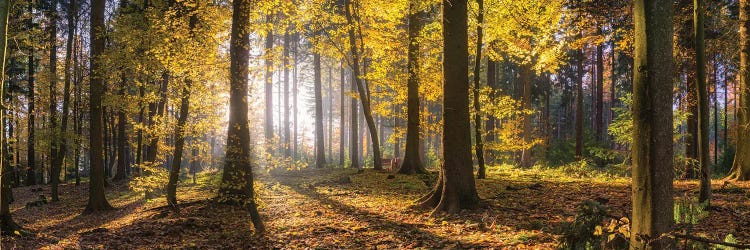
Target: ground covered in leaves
345 209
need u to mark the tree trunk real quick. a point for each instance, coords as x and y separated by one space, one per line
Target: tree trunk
179 144
490 123
268 128
652 126
477 109
455 188
320 155
237 177
286 148
599 90
412 163
295 40
353 129
579 104
31 148
363 94
342 116
330 115
526 78
120 173
741 167
55 163
703 113
97 200
7 226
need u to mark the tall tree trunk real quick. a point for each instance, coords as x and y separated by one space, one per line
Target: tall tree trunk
55 163
353 128
599 90
342 115
579 104
412 163
741 166
363 94
526 79
6 219
295 40
330 114
477 109
490 123
703 113
287 150
179 144
121 173
31 148
237 177
97 200
320 155
652 127
268 128
455 188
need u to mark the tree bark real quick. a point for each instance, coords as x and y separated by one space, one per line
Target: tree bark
353 128
703 113
579 104
97 200
342 116
287 141
599 90
31 148
479 147
179 144
455 188
55 163
652 126
526 79
320 155
412 163
268 128
741 166
363 94
237 177
7 226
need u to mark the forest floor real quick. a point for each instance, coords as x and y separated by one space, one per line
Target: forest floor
335 209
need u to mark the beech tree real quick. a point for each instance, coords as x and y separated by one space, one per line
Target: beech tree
7 224
237 177
652 126
97 200
455 189
412 162
741 166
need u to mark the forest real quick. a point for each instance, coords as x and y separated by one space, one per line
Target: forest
375 124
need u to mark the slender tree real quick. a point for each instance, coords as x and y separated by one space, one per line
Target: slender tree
599 89
97 200
652 126
579 103
364 96
342 115
287 150
353 128
479 147
55 138
412 162
7 225
237 177
703 113
455 188
320 155
741 166
268 128
179 144
31 146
